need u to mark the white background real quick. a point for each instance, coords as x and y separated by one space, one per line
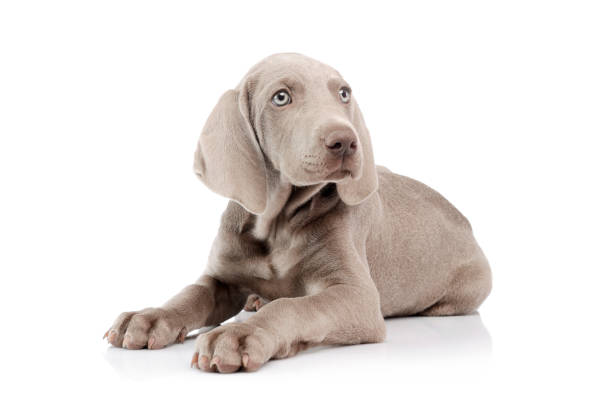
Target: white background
505 108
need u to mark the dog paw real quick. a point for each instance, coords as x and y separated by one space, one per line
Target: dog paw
153 328
232 347
254 303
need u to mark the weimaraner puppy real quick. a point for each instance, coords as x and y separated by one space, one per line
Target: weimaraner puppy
332 242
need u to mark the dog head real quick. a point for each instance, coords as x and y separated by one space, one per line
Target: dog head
293 115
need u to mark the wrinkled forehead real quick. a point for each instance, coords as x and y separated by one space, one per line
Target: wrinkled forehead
294 68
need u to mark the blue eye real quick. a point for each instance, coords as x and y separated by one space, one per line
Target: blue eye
281 98
345 94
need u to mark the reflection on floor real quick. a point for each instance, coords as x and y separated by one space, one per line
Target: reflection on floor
410 340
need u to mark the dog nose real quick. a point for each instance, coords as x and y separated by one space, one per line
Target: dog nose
341 142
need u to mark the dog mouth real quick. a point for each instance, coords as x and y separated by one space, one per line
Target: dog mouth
346 169
331 170
337 173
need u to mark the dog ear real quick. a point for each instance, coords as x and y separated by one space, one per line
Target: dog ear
228 158
354 191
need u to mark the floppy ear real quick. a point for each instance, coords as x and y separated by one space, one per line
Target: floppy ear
354 191
228 158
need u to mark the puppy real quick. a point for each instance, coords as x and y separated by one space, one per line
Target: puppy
335 243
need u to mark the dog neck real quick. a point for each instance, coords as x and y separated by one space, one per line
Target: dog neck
284 201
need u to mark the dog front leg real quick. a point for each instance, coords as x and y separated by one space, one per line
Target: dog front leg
204 303
340 314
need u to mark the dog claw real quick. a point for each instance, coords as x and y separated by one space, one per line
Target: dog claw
182 335
194 359
203 364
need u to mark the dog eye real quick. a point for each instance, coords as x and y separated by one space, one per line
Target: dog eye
281 98
345 94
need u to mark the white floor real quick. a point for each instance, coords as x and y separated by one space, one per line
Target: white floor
441 361
418 340
419 355
500 357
